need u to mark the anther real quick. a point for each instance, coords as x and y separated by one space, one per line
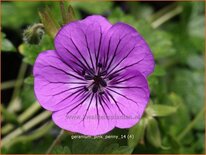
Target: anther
85 88
83 72
91 71
112 76
99 65
102 82
101 93
95 88
103 73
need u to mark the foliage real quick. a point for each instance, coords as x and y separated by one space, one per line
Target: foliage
6 45
30 52
173 121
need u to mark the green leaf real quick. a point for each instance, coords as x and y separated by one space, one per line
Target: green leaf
27 96
14 17
174 143
174 124
116 149
50 24
93 7
29 80
90 146
161 44
153 83
61 150
190 85
93 145
186 150
30 52
18 18
158 110
71 14
153 133
188 34
64 13
196 61
110 148
159 71
184 48
139 10
138 132
123 150
6 45
67 12
196 24
199 144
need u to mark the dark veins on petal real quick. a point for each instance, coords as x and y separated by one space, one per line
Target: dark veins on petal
98 80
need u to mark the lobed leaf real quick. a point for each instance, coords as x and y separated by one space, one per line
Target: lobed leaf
159 110
138 131
61 150
153 133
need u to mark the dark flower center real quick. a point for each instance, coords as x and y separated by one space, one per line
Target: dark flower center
98 81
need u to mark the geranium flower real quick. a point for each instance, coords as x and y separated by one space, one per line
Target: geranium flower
95 79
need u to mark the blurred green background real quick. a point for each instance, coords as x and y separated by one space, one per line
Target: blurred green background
173 124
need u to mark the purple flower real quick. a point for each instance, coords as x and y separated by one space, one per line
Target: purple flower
95 79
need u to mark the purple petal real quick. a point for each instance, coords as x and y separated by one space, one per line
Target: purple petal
55 82
123 46
82 117
130 93
95 80
79 42
103 22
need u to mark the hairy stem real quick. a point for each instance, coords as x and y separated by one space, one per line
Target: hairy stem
55 141
10 84
22 118
162 11
17 86
34 135
166 16
31 123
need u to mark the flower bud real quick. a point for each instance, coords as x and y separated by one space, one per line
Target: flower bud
33 34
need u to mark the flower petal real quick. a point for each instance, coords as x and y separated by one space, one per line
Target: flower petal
90 116
118 53
130 93
103 22
124 46
79 42
55 81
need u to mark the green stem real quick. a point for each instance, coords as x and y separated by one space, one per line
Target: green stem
17 86
10 84
191 125
30 124
166 16
161 12
22 118
55 141
34 135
